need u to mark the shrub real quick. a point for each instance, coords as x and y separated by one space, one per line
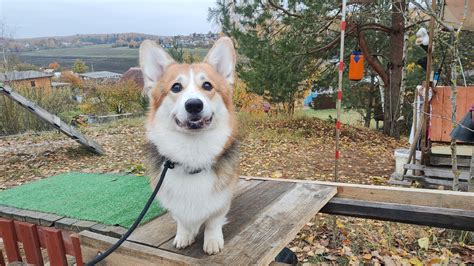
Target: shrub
15 119
245 101
115 98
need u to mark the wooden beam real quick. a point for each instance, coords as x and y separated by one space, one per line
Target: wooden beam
129 253
444 160
463 150
413 196
444 173
428 84
404 213
53 120
470 182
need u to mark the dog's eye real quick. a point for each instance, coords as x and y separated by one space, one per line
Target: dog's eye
177 87
207 86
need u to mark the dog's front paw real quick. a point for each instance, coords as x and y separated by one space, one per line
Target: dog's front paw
213 245
183 240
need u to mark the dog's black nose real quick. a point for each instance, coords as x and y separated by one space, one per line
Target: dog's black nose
193 106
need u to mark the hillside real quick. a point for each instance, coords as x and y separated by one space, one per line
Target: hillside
103 57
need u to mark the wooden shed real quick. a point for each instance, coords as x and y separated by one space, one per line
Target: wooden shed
437 170
441 126
28 79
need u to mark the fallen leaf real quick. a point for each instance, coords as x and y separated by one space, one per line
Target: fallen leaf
277 174
424 243
415 261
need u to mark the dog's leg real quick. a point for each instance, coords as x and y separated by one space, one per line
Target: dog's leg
213 237
185 234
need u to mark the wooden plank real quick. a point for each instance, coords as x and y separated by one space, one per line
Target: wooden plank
414 196
54 246
274 228
29 237
462 150
76 244
437 108
441 106
10 240
2 259
51 119
445 160
244 210
156 232
129 253
437 172
163 228
446 126
421 215
470 182
435 183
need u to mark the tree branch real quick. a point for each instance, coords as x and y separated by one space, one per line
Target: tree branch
286 12
372 60
415 24
375 26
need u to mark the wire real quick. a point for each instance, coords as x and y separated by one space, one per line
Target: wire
101 256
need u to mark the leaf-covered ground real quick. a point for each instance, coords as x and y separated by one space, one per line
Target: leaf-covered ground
300 148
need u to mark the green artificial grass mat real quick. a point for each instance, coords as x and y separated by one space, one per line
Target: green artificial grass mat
110 199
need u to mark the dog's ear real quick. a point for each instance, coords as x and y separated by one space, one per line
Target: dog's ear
222 57
153 62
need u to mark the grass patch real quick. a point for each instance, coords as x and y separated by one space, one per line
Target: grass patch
349 117
105 198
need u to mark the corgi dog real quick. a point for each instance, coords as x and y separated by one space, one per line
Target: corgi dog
191 122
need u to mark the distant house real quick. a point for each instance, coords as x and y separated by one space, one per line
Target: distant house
324 100
48 71
61 85
100 76
30 79
134 74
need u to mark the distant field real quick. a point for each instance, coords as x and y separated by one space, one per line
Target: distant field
101 50
102 57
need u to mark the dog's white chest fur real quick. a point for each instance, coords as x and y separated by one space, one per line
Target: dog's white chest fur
191 197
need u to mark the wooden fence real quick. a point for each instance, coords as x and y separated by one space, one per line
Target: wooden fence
34 239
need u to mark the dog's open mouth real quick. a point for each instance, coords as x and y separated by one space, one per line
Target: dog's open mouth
194 122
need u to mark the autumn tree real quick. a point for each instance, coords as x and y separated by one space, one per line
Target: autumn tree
79 66
69 77
54 65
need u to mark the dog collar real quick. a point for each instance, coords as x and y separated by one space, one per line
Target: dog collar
193 172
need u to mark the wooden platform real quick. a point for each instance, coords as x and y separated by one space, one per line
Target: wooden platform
265 216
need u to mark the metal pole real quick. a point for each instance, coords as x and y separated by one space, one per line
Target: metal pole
339 90
427 85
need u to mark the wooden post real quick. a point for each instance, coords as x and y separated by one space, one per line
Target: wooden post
470 181
339 91
428 84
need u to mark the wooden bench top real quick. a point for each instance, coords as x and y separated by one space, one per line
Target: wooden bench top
264 217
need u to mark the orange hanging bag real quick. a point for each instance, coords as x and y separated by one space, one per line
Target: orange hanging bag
356 66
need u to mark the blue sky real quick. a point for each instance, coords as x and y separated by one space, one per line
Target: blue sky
38 18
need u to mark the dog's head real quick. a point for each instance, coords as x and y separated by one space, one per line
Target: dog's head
189 98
